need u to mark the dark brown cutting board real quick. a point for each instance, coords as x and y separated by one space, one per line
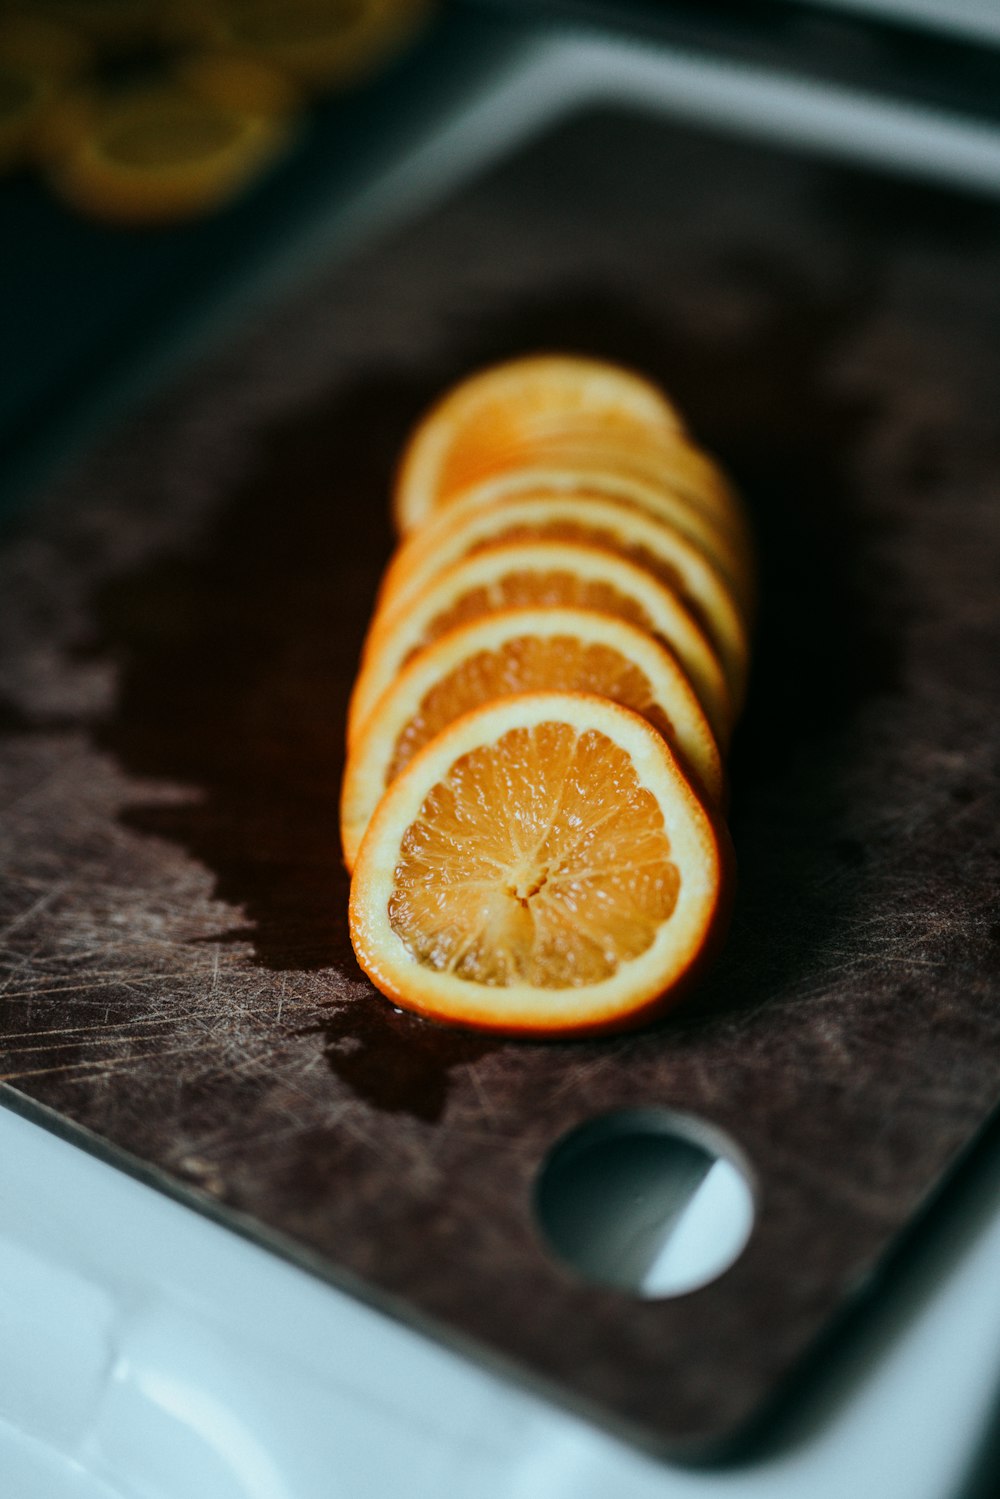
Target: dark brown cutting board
181 624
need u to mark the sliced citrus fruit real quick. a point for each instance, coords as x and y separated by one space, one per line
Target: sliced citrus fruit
37 60
161 154
542 867
321 42
243 84
467 527
535 573
734 559
24 97
65 124
523 650
500 408
43 45
111 24
672 462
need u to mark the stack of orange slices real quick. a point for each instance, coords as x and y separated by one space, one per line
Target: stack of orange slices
532 806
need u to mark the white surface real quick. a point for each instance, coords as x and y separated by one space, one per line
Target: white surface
213 1370
708 1237
977 20
642 1201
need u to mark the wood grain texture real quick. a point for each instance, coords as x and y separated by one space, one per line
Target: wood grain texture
181 622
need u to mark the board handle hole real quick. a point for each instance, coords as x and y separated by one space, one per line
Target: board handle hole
650 1202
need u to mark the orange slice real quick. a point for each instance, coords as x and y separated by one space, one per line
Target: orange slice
503 408
467 527
541 868
243 84
65 124
527 574
671 462
523 650
42 45
24 98
321 42
37 60
111 24
734 559
163 154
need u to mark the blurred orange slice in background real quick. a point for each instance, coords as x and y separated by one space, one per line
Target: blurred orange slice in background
38 61
161 154
318 42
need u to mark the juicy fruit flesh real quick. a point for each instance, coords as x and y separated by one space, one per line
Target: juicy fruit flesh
528 588
539 859
527 663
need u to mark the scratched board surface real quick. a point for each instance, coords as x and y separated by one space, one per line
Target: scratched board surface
181 622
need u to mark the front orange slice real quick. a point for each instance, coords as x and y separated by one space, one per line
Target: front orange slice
517 651
467 527
507 405
528 574
541 868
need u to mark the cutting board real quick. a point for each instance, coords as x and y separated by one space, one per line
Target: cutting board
182 616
